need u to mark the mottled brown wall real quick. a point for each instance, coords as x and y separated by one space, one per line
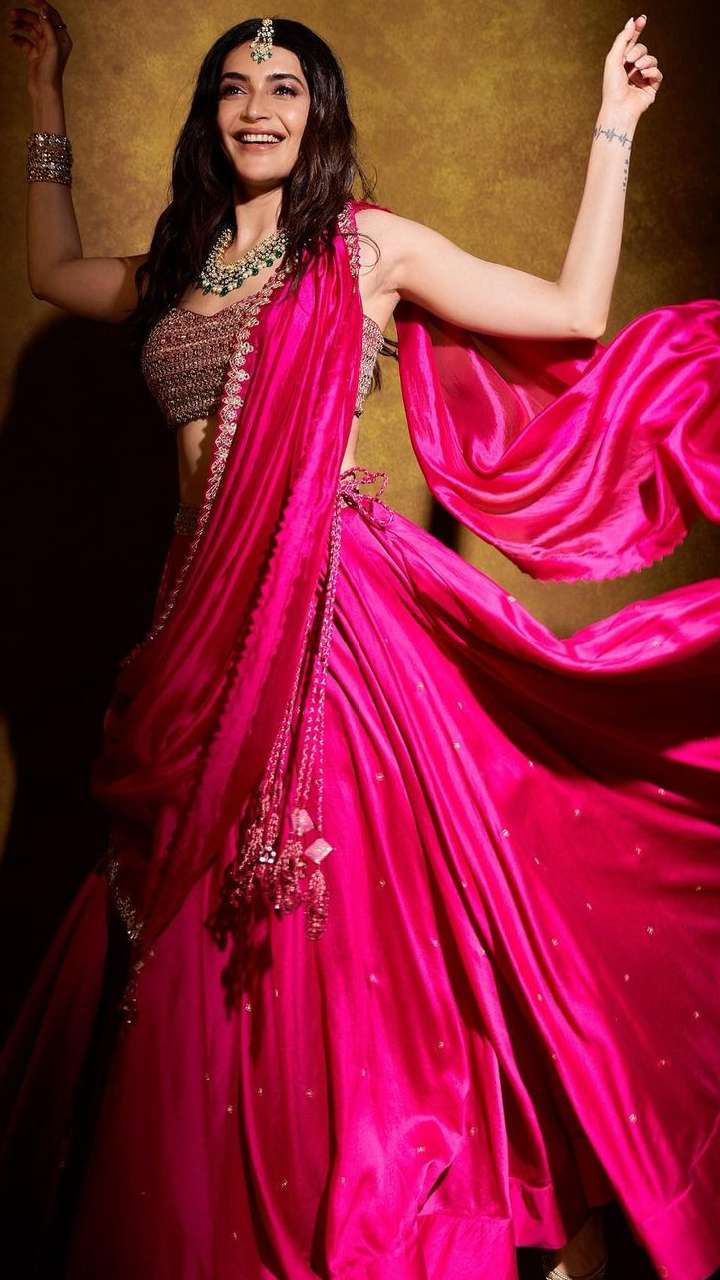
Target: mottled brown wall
477 117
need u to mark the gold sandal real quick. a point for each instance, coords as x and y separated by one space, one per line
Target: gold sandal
598 1273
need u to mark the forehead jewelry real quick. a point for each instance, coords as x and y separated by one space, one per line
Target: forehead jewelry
261 46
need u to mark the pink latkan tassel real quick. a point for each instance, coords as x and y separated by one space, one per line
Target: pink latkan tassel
291 876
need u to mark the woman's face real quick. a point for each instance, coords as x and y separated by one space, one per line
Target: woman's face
258 102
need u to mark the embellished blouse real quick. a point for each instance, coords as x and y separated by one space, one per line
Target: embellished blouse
185 356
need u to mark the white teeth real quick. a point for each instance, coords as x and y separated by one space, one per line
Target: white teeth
258 137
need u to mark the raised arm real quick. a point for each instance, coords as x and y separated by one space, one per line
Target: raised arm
423 266
101 288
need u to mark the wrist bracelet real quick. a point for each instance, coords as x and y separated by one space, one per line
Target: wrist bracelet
49 158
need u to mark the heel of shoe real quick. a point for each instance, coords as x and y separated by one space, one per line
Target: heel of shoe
549 1272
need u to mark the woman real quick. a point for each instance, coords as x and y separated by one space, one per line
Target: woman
408 882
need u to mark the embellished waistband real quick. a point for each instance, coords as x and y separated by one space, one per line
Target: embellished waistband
348 490
366 503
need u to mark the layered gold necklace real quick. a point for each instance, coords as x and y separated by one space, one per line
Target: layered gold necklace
220 277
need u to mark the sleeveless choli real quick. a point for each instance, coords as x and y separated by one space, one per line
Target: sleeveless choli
185 356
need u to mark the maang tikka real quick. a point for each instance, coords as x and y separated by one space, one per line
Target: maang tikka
261 47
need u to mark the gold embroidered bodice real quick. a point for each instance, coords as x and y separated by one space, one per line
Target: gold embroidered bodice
185 355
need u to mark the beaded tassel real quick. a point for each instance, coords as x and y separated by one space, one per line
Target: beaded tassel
283 875
290 876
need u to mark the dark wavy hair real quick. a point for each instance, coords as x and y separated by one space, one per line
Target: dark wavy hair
201 187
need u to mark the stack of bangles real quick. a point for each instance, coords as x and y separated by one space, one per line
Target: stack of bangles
49 158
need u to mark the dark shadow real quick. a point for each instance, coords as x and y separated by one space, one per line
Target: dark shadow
87 494
443 526
628 1260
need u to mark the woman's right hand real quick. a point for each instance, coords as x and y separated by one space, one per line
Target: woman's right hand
45 43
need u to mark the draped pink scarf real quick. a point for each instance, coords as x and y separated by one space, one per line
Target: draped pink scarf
199 701
575 459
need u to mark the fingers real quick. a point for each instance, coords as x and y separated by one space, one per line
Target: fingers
644 72
24 41
25 15
46 19
636 27
652 78
641 67
626 38
49 14
26 20
22 29
43 30
638 51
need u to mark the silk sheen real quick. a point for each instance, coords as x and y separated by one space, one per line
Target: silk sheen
513 1013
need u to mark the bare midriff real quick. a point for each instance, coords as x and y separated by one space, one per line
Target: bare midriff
194 442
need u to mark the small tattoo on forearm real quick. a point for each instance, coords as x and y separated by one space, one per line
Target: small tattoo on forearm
612 134
625 140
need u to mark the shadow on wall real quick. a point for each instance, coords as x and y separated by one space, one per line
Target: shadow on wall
87 495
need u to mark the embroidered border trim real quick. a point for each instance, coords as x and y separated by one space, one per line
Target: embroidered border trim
124 908
123 905
372 342
228 417
231 401
347 227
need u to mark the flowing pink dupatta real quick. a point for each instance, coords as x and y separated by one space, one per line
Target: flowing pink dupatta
577 460
199 701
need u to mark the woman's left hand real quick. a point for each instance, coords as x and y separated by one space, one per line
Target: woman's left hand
632 76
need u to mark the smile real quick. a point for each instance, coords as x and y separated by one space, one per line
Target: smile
258 139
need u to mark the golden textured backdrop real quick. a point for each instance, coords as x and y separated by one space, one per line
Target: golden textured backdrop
477 118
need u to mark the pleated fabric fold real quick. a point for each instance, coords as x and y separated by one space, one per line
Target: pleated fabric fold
512 1015
574 458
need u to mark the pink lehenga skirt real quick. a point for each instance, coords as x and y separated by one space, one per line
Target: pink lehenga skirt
512 1014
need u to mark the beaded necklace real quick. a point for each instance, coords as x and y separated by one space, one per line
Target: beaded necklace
219 277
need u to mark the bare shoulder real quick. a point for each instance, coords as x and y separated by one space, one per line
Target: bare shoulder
389 230
396 239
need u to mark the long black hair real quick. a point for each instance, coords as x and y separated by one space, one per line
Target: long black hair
201 187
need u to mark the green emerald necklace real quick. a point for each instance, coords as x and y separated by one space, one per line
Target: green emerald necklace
219 277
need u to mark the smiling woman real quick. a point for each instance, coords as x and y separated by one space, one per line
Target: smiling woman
250 115
403 952
280 137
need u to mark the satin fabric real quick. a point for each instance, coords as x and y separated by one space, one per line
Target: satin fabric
513 1012
195 711
577 460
